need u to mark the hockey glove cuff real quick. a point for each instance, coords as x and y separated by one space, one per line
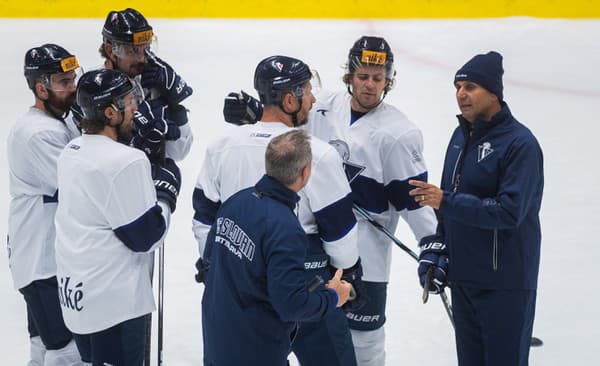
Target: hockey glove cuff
434 256
167 182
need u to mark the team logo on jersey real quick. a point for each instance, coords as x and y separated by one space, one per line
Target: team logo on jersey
351 169
483 151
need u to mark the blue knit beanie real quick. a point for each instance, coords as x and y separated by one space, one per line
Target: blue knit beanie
485 70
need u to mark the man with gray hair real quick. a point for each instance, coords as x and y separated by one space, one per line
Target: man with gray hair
287 156
256 290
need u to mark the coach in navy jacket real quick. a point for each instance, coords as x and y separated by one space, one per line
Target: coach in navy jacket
488 208
255 286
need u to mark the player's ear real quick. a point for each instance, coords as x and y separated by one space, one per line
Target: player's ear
41 91
305 173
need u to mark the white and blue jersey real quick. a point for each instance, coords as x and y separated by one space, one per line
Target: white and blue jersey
237 161
381 150
33 146
107 224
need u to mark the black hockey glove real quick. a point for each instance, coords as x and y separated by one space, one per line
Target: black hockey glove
159 75
178 114
353 275
202 266
434 257
151 128
242 109
167 181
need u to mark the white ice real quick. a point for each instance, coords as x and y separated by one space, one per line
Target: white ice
552 84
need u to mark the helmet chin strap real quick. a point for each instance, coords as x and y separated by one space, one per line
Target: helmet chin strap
363 106
293 114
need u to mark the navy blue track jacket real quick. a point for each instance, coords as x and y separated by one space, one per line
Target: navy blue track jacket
256 289
489 215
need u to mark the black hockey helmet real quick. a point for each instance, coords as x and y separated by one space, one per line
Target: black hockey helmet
127 26
374 51
102 88
45 60
276 75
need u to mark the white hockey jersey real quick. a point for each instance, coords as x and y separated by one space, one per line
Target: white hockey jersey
33 146
237 161
107 224
382 150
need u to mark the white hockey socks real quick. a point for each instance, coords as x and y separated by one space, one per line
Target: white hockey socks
36 352
369 347
66 356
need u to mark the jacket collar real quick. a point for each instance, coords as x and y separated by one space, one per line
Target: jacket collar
481 126
269 187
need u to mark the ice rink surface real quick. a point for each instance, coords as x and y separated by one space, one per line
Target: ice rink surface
552 84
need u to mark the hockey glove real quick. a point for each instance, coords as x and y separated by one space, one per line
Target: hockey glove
434 256
178 114
242 109
159 75
353 275
152 128
202 266
167 182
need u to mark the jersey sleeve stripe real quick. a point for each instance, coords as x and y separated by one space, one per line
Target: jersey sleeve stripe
369 194
336 219
397 193
205 210
142 233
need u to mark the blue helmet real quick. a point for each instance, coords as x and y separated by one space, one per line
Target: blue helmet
99 89
373 51
46 60
127 26
277 75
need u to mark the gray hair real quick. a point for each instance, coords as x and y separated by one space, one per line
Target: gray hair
287 155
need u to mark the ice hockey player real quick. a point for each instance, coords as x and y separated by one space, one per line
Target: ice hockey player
325 208
33 146
161 122
256 290
382 150
108 222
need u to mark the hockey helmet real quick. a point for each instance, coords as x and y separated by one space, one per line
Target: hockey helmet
48 59
277 75
102 88
373 51
127 26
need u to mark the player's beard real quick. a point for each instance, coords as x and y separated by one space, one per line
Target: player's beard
60 105
132 71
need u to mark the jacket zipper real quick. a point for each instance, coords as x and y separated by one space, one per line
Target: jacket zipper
459 163
495 251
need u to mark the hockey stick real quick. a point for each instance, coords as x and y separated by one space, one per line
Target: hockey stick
161 280
535 342
161 287
396 241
